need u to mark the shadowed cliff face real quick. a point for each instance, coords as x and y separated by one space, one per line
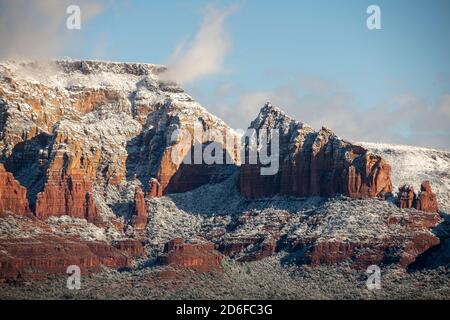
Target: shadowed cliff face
314 164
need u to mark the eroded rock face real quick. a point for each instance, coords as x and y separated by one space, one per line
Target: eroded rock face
36 258
76 147
314 163
402 251
13 196
70 196
116 122
133 247
426 200
165 158
196 254
321 231
154 189
411 238
140 212
406 197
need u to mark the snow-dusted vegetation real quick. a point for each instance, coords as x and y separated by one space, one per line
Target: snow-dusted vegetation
265 279
412 165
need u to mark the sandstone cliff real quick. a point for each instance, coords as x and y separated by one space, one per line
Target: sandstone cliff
13 197
314 163
105 121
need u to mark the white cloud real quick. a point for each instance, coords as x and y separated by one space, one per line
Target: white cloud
206 54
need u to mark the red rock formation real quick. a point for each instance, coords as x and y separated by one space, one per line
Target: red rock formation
406 197
36 258
314 164
71 195
154 190
426 200
401 247
196 254
177 178
133 247
140 213
86 101
369 177
13 196
402 250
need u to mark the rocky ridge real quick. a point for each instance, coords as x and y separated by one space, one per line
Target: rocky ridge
314 163
88 145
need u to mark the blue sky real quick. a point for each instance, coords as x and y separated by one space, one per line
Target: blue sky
324 38
316 58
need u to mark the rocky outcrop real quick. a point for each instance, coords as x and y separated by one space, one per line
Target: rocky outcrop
70 196
406 197
133 247
402 251
426 200
406 237
36 258
313 163
74 133
13 196
140 212
196 254
108 128
154 189
170 155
